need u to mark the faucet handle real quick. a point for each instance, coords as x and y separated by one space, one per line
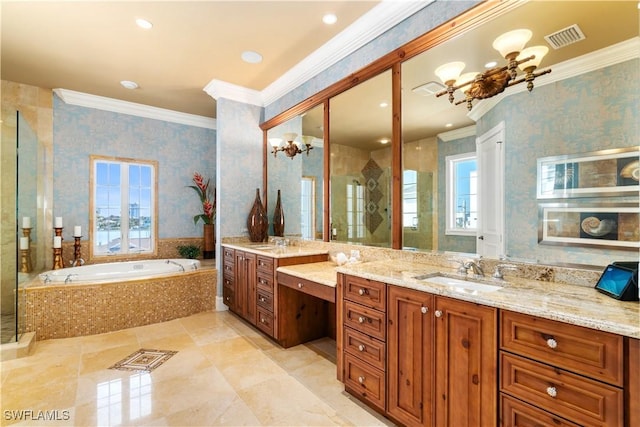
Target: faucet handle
499 267
462 268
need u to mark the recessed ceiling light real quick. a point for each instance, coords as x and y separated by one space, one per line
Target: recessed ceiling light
128 84
251 57
329 18
448 125
143 23
384 141
490 64
383 104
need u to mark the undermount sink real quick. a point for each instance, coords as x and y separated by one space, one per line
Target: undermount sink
459 285
263 247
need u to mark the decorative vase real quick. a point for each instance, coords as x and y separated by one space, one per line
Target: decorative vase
278 218
257 222
209 245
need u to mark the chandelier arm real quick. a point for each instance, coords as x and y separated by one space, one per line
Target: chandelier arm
524 78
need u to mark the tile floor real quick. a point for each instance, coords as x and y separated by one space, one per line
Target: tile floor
225 373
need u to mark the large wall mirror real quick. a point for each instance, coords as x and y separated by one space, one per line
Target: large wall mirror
300 178
587 103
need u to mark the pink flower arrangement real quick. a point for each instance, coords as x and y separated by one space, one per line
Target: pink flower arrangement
207 198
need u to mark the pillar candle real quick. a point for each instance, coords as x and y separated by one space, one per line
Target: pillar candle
24 242
77 231
57 241
26 222
58 222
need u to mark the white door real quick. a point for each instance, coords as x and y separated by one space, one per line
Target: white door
490 152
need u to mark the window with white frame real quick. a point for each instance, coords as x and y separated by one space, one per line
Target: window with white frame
462 194
123 203
355 210
410 199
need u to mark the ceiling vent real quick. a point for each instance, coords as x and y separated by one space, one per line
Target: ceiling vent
565 37
429 88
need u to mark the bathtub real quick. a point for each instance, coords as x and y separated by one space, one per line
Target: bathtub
101 298
118 271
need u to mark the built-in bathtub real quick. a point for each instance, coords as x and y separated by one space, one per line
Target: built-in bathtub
118 271
108 297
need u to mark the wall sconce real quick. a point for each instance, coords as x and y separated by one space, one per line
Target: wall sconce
490 83
291 148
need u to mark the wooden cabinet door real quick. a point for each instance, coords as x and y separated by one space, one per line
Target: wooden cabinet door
245 285
466 391
409 355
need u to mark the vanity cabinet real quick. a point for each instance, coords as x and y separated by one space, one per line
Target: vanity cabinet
563 373
441 362
249 285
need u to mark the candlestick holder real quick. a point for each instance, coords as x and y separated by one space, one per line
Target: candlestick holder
26 232
77 259
58 232
57 259
25 261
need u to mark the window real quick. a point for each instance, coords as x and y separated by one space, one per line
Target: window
355 210
410 199
308 212
462 194
123 203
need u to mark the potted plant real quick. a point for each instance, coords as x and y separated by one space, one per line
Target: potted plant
207 197
189 251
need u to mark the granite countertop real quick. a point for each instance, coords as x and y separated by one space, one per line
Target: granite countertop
271 250
577 305
319 272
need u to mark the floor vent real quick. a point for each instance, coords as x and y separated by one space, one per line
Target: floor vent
565 37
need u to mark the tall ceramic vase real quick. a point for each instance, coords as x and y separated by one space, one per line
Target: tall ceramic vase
209 245
278 218
257 222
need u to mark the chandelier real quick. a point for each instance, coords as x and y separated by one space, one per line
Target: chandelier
291 147
490 83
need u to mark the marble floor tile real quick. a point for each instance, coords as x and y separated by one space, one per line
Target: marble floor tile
225 373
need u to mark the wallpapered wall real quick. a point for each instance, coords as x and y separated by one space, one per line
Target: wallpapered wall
590 112
180 150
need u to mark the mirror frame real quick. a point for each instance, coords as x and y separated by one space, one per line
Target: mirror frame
472 18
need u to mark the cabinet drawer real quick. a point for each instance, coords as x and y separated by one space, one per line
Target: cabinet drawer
228 297
228 254
364 381
365 348
265 281
265 300
227 281
366 292
265 264
228 268
515 413
364 319
264 321
596 354
563 393
324 292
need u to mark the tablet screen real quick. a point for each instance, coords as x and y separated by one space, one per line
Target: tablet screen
614 280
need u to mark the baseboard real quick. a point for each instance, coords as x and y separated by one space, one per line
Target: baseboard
220 305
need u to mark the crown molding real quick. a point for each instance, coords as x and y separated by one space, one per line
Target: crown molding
611 55
381 18
219 89
131 108
458 133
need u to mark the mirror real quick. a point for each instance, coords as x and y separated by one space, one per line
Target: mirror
300 178
360 163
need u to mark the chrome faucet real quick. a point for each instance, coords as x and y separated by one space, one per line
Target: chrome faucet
76 262
475 267
169 261
68 279
47 279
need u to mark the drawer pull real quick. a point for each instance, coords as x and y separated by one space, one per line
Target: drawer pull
362 319
361 347
552 343
424 310
263 282
228 298
361 379
551 391
300 285
438 313
262 320
363 291
262 299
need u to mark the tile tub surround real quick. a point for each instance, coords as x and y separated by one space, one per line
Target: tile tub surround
72 310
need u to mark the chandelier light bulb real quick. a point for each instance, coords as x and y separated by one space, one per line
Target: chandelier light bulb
512 42
450 72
